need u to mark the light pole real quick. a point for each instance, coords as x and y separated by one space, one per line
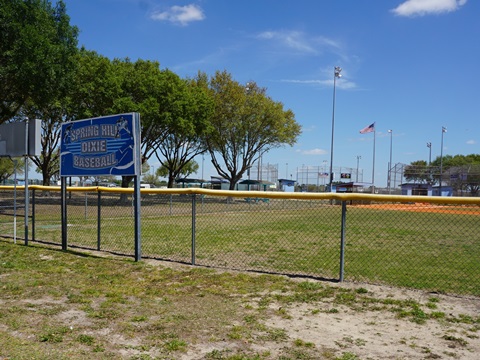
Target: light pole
390 163
324 172
286 171
444 130
358 160
336 74
429 145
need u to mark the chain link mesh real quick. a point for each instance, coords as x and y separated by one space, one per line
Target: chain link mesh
431 245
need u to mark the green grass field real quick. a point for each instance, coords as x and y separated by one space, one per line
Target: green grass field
423 250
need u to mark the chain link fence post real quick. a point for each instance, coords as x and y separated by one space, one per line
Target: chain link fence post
194 208
99 217
342 240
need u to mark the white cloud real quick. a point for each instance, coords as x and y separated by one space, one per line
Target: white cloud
292 39
314 152
182 15
471 142
340 83
426 7
298 41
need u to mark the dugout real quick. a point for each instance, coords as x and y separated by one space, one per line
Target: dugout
414 189
255 185
351 187
188 183
287 185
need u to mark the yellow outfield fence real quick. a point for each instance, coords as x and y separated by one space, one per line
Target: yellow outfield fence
429 243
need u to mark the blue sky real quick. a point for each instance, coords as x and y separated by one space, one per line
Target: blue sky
410 66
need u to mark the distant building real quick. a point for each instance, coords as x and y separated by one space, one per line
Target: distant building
287 185
413 189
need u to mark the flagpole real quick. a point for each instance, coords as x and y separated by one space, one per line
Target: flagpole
373 167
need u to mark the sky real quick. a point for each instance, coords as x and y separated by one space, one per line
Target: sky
409 66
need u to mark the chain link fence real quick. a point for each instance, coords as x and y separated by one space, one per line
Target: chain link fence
428 243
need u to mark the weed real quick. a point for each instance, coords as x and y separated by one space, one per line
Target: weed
276 335
282 312
301 343
348 356
437 315
175 345
455 340
53 335
86 339
309 286
139 318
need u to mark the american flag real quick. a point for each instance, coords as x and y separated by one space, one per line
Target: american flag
370 128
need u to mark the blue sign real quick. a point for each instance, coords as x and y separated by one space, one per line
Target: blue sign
108 145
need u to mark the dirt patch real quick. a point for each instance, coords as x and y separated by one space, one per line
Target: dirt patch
174 311
382 334
426 207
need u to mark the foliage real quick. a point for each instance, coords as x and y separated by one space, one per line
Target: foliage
418 172
119 86
36 53
48 163
190 168
7 168
95 88
247 123
462 172
186 116
149 178
141 85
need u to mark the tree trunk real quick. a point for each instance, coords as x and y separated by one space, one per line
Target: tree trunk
171 180
45 176
126 180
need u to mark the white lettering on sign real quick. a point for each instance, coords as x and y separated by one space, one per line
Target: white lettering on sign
85 132
94 146
94 162
109 130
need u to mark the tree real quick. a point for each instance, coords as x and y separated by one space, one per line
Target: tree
462 172
247 123
104 87
418 172
7 168
36 53
150 179
188 169
142 84
186 113
48 163
96 87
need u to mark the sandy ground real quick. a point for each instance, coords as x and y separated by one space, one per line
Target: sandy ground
356 334
382 335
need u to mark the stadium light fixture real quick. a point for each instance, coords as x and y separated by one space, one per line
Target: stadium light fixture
336 74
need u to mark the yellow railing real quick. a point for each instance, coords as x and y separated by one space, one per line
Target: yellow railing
267 194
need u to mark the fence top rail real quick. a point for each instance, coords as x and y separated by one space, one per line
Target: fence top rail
267 194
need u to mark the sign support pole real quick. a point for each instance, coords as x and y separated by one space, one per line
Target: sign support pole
63 188
136 208
27 206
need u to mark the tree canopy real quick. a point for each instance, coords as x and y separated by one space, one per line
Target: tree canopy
44 75
247 123
462 172
37 50
186 118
